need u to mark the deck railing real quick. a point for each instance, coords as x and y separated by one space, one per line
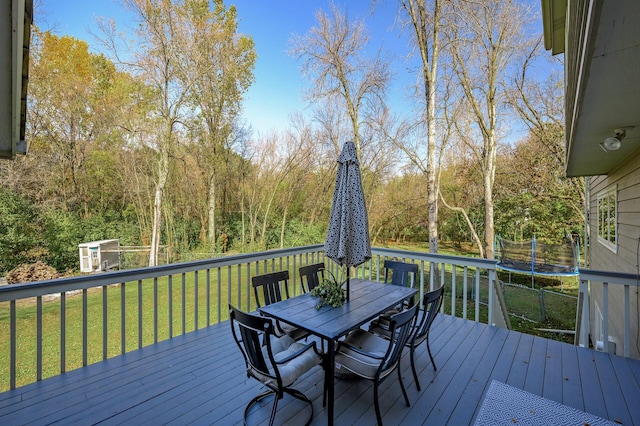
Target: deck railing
466 279
102 315
604 283
99 316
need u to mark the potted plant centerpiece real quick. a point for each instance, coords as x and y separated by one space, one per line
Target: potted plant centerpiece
330 292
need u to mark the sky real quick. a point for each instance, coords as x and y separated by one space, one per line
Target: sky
278 91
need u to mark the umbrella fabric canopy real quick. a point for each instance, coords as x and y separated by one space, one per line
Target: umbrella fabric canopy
348 235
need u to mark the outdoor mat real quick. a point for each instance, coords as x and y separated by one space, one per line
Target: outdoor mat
506 405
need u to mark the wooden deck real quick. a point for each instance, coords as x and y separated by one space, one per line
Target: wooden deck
199 378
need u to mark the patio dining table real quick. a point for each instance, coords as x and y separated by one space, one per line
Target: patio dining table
368 300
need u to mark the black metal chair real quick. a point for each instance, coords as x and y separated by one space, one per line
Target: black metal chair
431 303
275 361
402 274
313 275
272 285
372 357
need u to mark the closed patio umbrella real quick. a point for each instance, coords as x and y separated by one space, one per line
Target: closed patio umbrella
348 235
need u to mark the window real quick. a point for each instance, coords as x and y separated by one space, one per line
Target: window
608 218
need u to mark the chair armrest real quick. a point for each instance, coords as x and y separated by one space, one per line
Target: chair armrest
298 353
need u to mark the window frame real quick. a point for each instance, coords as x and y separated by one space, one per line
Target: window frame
607 215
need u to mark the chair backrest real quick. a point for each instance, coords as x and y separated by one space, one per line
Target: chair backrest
271 285
252 333
313 275
401 325
431 303
402 274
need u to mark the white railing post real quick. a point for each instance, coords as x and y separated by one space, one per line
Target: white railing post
627 322
453 287
464 291
582 315
477 294
616 319
605 316
492 289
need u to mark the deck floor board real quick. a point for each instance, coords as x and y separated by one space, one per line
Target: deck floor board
534 380
199 378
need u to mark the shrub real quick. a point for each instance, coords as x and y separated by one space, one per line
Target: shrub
26 273
20 231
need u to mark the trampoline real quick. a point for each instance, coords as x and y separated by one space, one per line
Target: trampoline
535 258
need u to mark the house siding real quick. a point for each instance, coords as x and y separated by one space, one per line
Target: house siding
625 258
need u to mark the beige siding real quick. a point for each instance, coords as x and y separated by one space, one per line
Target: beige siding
625 259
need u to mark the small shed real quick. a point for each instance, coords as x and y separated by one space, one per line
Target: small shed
99 256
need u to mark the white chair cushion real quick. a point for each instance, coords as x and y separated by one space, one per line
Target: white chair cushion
282 347
297 366
362 365
279 344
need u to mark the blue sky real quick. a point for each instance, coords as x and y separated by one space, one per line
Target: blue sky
279 86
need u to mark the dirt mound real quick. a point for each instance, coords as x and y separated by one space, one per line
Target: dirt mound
26 273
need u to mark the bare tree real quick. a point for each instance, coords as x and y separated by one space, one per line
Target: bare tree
323 144
333 59
426 21
198 68
278 163
538 98
154 58
299 149
485 37
456 116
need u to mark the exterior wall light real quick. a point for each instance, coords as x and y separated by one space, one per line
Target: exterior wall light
614 143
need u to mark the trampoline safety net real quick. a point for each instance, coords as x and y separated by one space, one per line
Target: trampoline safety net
535 257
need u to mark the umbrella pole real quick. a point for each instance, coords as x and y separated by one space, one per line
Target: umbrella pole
348 282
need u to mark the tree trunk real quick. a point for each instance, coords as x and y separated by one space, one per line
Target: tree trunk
489 230
427 32
432 170
243 234
486 37
265 220
212 211
283 227
163 173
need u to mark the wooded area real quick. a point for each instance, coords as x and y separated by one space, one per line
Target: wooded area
145 143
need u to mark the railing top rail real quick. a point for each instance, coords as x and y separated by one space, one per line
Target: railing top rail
440 258
610 277
40 288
